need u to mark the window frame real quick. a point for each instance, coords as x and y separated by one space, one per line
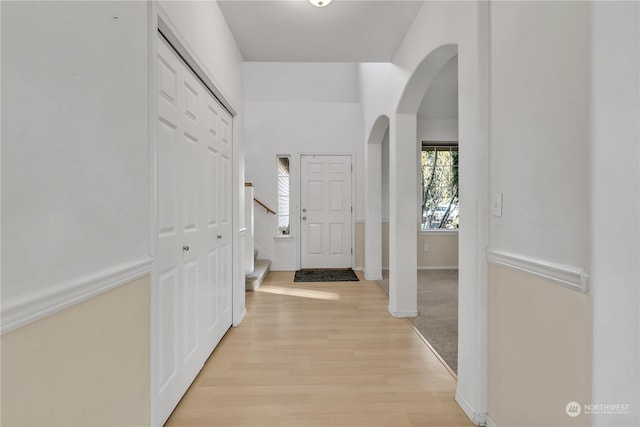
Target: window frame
424 146
279 234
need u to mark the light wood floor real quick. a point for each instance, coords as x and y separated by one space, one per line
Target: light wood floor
320 354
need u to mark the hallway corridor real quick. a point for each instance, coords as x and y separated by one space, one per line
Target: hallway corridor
320 354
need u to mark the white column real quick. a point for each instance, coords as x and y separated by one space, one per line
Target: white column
473 145
373 213
402 216
615 245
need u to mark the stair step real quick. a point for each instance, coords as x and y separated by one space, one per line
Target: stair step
260 271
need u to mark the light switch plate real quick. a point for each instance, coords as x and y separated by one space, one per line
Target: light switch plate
496 204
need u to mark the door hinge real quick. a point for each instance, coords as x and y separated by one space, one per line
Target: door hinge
351 251
351 209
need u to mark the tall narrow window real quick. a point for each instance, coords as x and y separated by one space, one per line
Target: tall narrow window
439 185
284 225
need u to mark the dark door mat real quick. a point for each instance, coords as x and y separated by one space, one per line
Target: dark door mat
325 275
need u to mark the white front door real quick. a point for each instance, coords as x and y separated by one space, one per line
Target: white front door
325 211
191 287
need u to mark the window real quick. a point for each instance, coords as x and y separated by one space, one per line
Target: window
439 163
284 226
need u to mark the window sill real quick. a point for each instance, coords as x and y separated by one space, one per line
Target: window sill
278 238
439 231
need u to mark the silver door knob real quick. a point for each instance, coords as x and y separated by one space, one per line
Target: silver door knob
185 248
219 236
304 209
304 218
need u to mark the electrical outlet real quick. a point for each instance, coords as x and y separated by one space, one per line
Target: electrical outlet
496 204
426 247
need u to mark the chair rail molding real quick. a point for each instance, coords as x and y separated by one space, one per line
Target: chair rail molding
569 276
20 311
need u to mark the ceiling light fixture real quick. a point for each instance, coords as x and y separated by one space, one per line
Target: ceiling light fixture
319 3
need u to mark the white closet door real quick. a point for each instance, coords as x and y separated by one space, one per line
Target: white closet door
191 290
217 233
191 94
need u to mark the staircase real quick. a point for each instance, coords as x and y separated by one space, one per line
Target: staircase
254 279
256 269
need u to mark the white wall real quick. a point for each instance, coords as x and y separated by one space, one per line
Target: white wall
437 129
539 129
615 67
380 87
438 113
295 108
74 140
301 82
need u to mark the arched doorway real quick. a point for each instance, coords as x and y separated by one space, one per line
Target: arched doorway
439 196
403 179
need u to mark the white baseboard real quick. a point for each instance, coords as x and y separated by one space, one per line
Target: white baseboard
490 422
236 322
433 267
373 279
478 419
25 309
569 276
282 267
402 314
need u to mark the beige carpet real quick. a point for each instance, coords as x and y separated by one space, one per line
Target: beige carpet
437 317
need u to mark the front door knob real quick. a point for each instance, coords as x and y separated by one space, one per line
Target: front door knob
304 218
185 248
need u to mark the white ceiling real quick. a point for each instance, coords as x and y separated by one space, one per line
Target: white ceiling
296 31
